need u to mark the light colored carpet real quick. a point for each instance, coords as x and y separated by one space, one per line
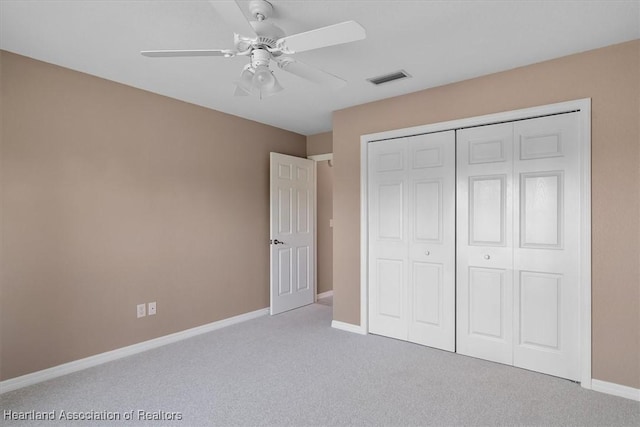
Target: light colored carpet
326 301
294 369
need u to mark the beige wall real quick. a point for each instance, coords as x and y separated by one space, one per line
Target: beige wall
112 196
611 77
321 143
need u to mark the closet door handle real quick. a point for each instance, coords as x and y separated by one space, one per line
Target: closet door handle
487 256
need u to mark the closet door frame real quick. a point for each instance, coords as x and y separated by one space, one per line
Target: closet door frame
583 107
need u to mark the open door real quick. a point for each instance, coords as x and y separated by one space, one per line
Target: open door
292 201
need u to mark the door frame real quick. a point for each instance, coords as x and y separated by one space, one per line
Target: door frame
583 107
317 158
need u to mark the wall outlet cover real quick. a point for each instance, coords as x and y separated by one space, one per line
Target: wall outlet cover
141 310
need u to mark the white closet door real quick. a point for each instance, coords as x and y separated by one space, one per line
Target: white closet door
547 245
518 254
484 242
388 238
431 226
411 239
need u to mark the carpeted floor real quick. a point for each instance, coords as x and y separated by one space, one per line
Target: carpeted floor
294 369
326 301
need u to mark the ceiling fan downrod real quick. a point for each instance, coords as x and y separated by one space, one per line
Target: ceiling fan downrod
260 9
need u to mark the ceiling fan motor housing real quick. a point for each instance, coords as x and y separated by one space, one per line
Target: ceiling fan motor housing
260 57
267 33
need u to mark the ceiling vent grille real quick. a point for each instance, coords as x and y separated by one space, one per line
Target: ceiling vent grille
397 75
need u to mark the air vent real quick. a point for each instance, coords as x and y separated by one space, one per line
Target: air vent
397 75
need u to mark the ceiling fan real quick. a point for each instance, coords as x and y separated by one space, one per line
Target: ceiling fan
263 42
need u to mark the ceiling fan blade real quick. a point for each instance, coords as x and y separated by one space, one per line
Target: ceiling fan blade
233 15
240 91
190 52
344 32
310 73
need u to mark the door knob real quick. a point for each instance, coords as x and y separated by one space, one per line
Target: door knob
276 242
427 253
487 257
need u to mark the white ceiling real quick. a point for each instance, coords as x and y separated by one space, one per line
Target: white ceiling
436 42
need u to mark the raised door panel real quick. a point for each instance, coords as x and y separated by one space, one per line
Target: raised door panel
539 144
541 210
427 293
539 300
390 210
303 174
429 155
303 268
389 159
487 210
427 213
390 278
284 208
285 271
487 303
304 221
488 331
491 149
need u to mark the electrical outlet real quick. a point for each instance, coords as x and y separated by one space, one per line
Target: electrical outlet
142 310
152 308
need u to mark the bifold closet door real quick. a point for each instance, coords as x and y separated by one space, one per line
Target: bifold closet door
485 242
547 245
412 239
518 244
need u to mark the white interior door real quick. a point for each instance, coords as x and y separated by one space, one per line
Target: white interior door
519 244
411 235
292 227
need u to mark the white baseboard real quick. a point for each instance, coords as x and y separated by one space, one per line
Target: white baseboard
324 295
616 389
356 329
98 359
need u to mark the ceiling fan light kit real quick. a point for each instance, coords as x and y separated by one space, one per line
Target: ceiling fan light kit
263 42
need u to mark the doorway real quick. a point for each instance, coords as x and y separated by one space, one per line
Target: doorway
320 150
324 227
